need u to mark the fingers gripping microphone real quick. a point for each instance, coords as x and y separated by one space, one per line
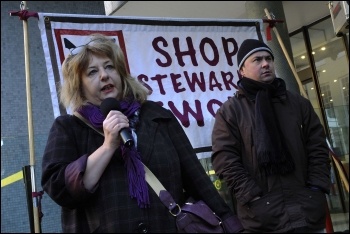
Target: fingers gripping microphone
109 104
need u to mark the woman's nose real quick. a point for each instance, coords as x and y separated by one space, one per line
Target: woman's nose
103 74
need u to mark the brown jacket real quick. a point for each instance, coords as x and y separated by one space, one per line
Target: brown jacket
286 202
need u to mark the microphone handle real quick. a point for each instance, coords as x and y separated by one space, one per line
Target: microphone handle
126 137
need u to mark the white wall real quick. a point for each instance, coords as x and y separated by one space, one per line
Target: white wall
298 13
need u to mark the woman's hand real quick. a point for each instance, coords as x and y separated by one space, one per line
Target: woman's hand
98 160
114 122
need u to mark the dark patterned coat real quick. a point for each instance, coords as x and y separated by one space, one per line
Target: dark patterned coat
286 202
164 149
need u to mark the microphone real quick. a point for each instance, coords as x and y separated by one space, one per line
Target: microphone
109 104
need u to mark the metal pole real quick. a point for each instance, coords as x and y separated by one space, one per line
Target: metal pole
286 55
28 185
30 122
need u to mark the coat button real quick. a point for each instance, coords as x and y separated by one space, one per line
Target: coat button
142 228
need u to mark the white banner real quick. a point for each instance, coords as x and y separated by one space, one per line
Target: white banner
188 64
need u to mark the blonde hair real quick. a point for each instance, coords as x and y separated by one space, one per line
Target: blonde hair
71 93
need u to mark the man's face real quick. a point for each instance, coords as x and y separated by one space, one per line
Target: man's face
259 66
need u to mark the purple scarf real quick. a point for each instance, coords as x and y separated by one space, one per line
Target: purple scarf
132 160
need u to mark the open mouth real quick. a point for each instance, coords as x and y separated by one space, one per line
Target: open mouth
107 87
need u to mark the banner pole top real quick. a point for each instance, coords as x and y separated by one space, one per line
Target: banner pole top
272 22
23 13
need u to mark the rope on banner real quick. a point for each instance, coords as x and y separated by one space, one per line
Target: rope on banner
23 13
39 196
272 23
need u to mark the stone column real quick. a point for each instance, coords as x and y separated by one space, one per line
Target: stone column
256 10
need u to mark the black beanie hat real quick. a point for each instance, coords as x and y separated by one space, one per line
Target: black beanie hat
248 47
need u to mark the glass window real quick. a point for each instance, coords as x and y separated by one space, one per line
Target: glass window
332 75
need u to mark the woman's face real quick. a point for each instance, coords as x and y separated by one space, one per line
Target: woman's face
101 80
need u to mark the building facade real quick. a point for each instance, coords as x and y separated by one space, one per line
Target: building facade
323 74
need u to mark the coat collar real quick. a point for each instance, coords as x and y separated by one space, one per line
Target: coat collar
150 115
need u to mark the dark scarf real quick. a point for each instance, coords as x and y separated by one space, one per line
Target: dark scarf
272 154
135 171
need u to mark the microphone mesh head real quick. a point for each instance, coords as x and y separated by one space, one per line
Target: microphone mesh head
109 104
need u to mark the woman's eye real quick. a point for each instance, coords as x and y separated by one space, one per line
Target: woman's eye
109 66
92 72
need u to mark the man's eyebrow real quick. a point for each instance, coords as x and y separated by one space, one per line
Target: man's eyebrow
262 56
